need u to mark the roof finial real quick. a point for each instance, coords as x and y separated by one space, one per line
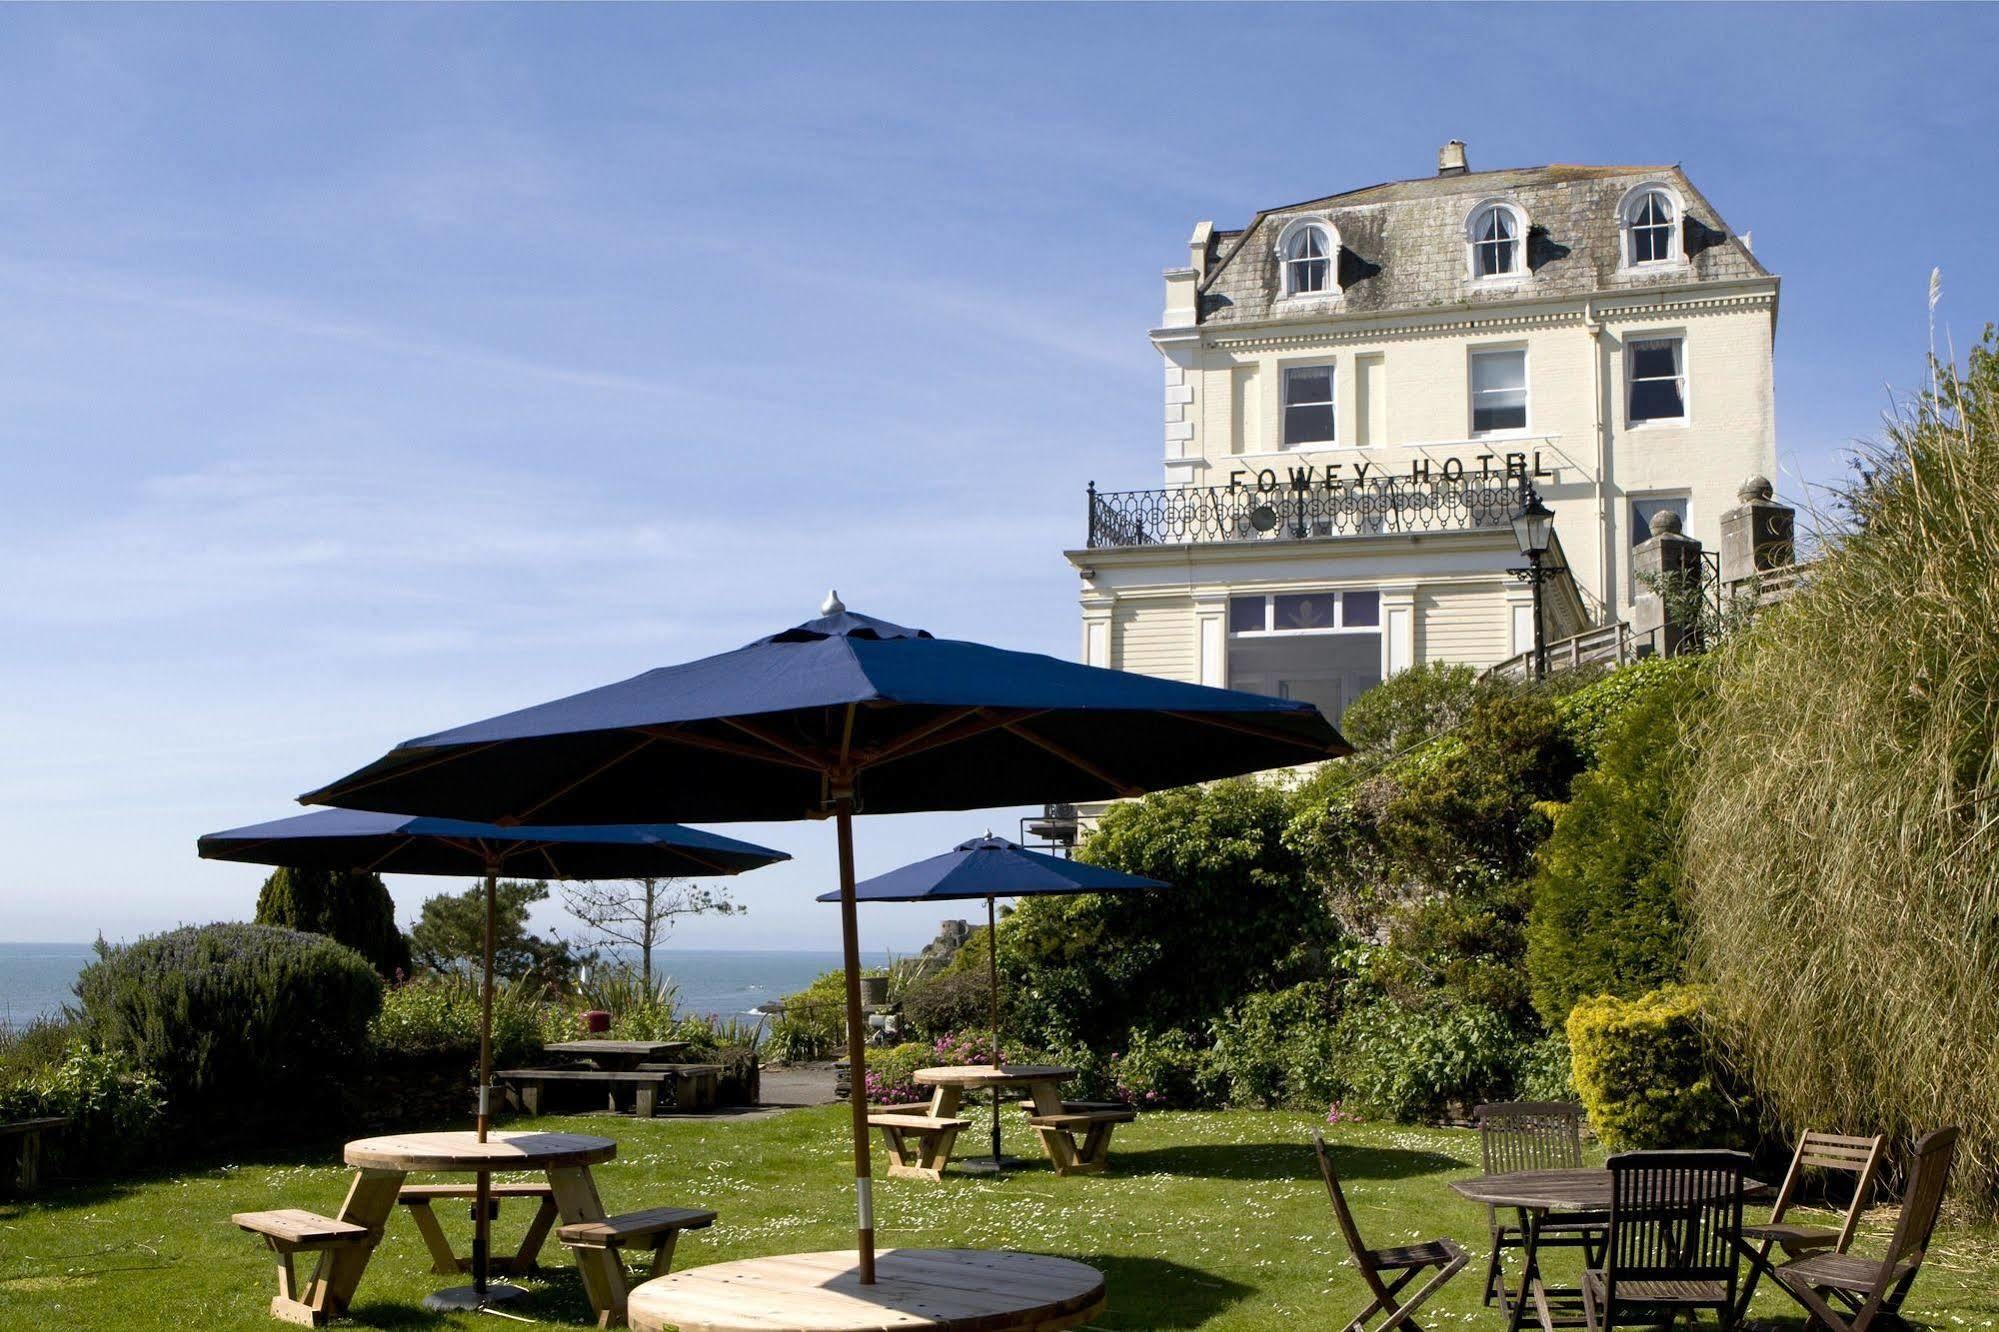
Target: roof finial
832 605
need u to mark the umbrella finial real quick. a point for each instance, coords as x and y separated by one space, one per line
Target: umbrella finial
832 605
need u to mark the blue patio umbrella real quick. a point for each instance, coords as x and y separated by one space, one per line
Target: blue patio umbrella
346 839
839 715
991 867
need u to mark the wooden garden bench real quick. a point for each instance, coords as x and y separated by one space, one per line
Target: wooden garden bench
656 1229
291 1230
526 1086
419 1197
695 1086
28 1154
1093 1119
933 1137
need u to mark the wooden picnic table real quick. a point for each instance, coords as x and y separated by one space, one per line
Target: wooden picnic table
982 1289
381 1165
1536 1194
617 1055
1043 1083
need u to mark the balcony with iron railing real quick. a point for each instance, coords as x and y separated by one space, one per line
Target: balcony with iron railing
1376 506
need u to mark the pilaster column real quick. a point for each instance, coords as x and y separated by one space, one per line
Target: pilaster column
1211 627
1097 614
1398 629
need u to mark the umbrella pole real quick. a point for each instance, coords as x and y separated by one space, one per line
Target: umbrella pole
857 1036
992 982
482 1200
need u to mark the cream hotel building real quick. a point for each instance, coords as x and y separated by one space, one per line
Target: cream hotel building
1358 387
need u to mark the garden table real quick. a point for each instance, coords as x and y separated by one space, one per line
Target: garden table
1535 1194
965 1289
381 1164
617 1055
1043 1083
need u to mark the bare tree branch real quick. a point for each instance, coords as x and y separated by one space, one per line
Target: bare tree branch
639 913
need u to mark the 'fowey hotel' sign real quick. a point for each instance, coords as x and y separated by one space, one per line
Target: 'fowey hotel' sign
1357 387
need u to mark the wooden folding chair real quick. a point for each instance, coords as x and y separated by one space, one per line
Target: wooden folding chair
1674 1243
1401 1265
1532 1135
1869 1287
1816 1151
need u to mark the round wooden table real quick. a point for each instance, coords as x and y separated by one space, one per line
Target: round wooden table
381 1164
990 1290
1043 1083
1537 1193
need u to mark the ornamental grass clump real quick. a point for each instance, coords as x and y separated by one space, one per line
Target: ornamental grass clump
1842 837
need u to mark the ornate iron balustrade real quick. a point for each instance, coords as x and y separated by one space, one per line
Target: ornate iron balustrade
1377 506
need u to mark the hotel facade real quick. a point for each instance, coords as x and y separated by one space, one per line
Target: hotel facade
1358 389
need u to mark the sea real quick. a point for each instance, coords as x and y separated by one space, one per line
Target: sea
37 979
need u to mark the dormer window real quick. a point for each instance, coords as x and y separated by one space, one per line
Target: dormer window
1650 220
1497 234
1306 254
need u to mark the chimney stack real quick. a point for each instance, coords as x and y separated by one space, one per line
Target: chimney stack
1451 159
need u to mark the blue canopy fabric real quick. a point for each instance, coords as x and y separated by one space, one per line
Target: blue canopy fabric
348 839
992 867
916 722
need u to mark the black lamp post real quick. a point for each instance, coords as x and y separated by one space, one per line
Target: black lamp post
1534 529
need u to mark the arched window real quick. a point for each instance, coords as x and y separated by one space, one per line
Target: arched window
1651 220
1497 234
1307 253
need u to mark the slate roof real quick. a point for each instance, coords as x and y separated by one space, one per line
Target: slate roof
1402 244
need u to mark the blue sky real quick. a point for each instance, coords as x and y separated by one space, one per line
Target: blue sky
368 370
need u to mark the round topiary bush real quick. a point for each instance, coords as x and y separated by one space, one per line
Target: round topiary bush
245 1026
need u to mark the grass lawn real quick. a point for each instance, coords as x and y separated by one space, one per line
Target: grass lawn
1210 1221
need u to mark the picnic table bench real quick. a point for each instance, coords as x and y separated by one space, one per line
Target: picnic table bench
695 1086
28 1153
919 1140
684 1086
1058 1125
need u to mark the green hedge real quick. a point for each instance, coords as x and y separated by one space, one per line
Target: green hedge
1607 915
248 1028
1643 1072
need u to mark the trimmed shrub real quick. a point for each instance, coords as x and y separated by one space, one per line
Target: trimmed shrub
1279 1049
245 1026
348 906
1240 919
890 1075
1606 914
437 1016
1411 706
1168 1070
1842 852
116 1109
1543 1069
1588 712
1402 1064
1642 1071
948 1001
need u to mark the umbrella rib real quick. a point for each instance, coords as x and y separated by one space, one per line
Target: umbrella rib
1122 787
985 720
344 788
920 733
590 776
1241 728
679 737
803 755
